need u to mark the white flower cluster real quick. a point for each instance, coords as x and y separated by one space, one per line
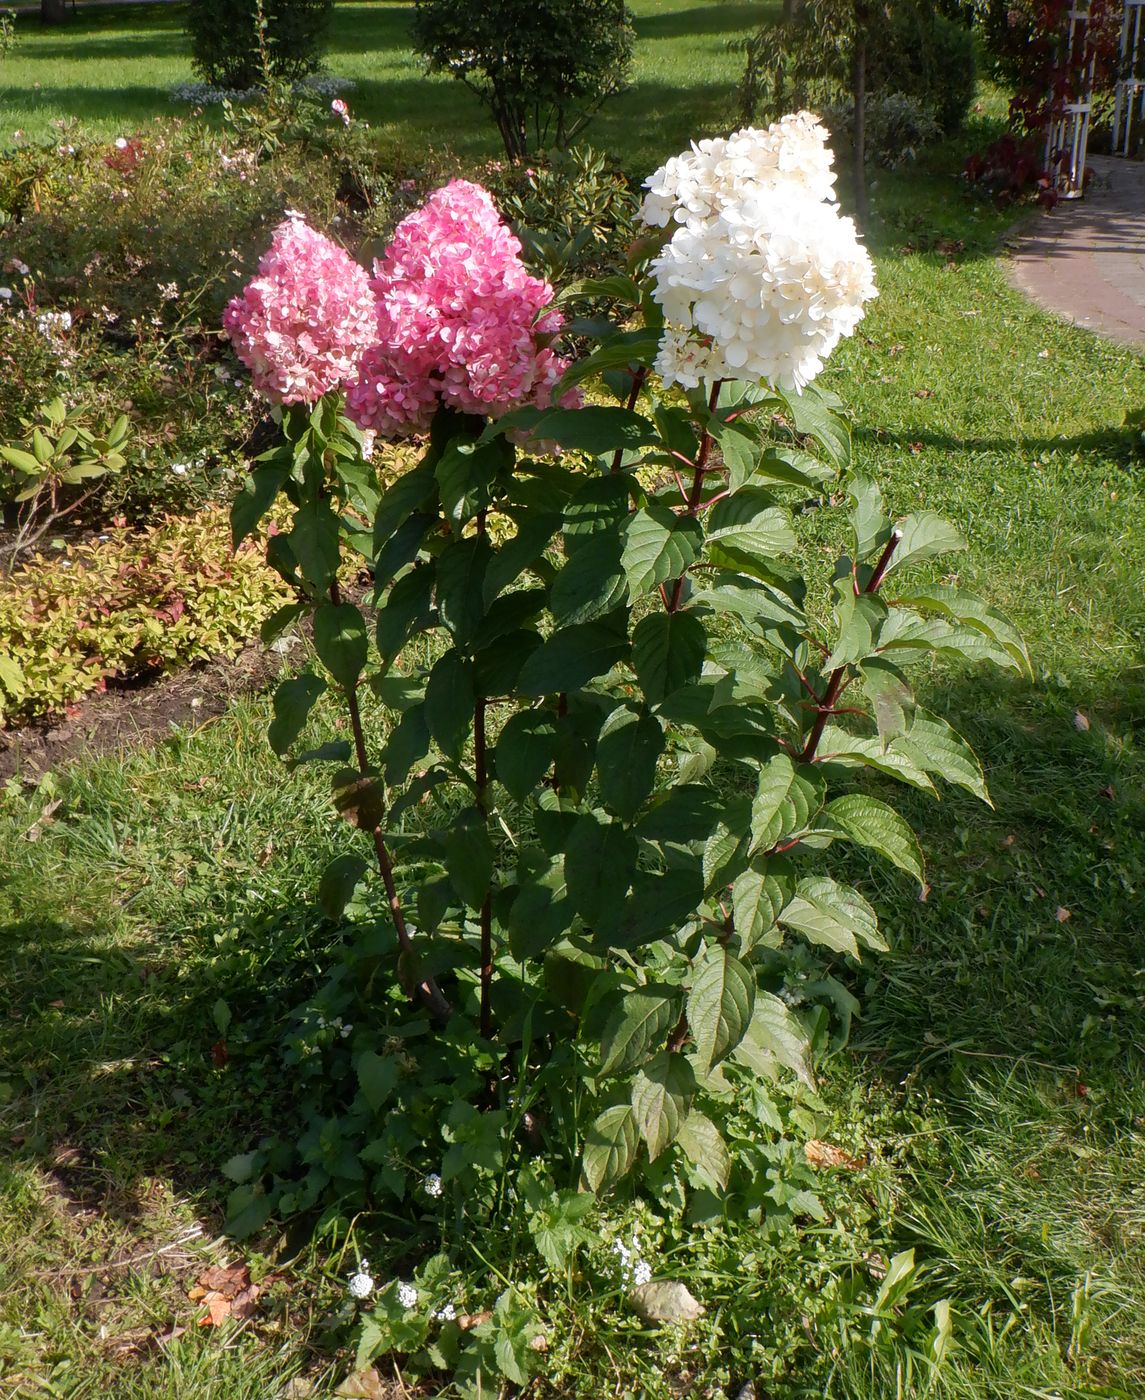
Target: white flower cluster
446 1313
361 1282
634 1270
432 1185
407 1295
762 276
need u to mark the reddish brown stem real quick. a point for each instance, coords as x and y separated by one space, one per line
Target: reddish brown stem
481 782
428 990
679 1034
696 495
638 379
838 675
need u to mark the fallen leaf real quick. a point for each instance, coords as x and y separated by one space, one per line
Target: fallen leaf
923 892
364 1385
467 1321
826 1154
894 349
219 1054
665 1301
1063 915
924 393
1080 722
915 448
1109 792
540 1342
1009 841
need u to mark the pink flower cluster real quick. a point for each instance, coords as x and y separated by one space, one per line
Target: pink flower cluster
305 321
459 320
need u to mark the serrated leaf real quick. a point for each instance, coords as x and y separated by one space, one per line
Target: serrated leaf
293 701
525 751
571 657
704 1147
659 545
594 429
868 517
466 473
626 757
971 612
338 882
517 554
592 582
407 610
784 803
924 535
815 413
469 857
540 915
460 579
661 1095
668 652
890 695
377 1077
775 1035
871 823
449 702
720 1005
740 448
757 898
931 744
643 1018
845 904
610 1147
751 522
600 861
340 641
860 622
315 539
837 746
601 504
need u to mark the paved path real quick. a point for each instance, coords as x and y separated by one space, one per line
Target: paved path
1085 260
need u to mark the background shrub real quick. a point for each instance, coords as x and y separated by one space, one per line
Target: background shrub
130 602
224 39
542 67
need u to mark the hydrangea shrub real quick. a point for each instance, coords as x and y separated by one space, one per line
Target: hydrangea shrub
598 897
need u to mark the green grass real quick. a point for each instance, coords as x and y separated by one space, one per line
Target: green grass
113 69
993 1084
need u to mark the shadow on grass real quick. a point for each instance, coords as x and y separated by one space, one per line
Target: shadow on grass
1120 445
720 18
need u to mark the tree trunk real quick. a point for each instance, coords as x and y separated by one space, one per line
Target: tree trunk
53 11
859 145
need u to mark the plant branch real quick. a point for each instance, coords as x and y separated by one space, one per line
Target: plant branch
839 674
481 781
638 379
428 989
697 493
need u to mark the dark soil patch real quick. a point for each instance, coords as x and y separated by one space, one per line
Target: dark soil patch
123 719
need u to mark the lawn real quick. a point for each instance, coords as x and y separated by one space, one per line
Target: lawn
112 69
992 1089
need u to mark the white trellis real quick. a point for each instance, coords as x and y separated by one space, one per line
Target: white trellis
1068 136
1129 92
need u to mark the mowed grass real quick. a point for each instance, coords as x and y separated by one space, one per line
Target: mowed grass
993 1082
113 69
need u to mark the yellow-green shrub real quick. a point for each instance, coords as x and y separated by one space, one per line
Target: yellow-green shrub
131 602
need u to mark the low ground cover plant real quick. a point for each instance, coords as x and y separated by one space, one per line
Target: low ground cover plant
126 604
603 821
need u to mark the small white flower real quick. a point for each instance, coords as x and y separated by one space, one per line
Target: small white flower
179 468
21 267
121 143
432 1185
641 1274
5 293
445 1314
407 1295
361 1283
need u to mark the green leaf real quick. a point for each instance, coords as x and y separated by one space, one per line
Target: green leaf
757 898
516 555
525 751
405 496
868 517
720 1005
860 622
704 1147
759 604
658 907
661 1094
255 497
815 414
460 578
642 1018
668 652
787 466
338 882
775 1035
659 545
23 461
592 582
924 536
610 1147
971 612
618 352
784 803
469 857
837 746
377 1076
279 620
340 641
890 695
449 702
407 610
740 448
686 812
571 657
315 540
408 744
601 503
540 914
839 904
750 521
597 430
600 860
871 823
466 473
933 745
293 701
626 758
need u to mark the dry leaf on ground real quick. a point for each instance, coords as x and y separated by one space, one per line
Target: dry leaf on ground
826 1154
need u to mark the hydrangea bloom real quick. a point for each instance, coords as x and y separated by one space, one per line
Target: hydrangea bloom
459 319
762 275
304 322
